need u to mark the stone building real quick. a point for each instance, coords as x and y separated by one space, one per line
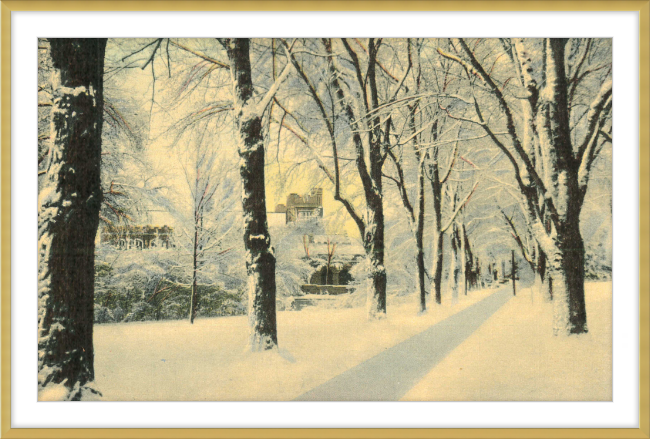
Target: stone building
332 257
302 207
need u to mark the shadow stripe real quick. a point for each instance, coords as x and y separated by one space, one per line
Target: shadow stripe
388 376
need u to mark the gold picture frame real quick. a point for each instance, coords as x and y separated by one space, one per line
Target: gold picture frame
642 7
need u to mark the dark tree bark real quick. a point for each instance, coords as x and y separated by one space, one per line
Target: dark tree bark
438 235
260 261
542 276
513 273
419 239
465 257
374 246
455 265
69 204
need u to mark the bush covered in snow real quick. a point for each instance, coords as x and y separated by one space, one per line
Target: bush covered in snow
140 285
293 266
598 262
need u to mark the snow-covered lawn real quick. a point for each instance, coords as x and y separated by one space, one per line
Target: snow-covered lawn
173 360
514 356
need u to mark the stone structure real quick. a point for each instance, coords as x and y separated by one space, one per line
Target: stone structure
138 237
332 257
298 208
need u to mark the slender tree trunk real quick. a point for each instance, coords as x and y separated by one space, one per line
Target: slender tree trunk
419 240
542 276
260 261
195 296
69 204
454 267
438 241
513 273
371 230
464 259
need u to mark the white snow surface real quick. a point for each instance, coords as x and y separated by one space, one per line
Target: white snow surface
512 356
176 361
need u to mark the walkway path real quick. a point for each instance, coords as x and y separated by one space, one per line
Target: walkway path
389 375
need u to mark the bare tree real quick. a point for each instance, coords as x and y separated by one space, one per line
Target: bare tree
358 103
208 223
553 154
429 128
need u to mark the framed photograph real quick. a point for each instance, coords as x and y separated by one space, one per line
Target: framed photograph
325 219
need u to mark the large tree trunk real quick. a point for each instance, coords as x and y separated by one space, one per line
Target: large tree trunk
374 246
566 253
69 204
567 270
260 261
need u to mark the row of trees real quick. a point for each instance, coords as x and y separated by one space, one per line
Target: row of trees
499 124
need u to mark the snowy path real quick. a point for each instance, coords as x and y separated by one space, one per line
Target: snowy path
389 375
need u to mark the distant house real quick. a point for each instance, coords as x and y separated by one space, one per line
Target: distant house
330 256
301 207
137 237
140 236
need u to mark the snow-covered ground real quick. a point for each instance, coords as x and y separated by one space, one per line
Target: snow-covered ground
515 357
173 360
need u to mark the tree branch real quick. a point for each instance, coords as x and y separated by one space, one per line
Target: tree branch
593 118
401 186
266 100
459 208
590 153
357 69
510 124
200 55
518 240
452 161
